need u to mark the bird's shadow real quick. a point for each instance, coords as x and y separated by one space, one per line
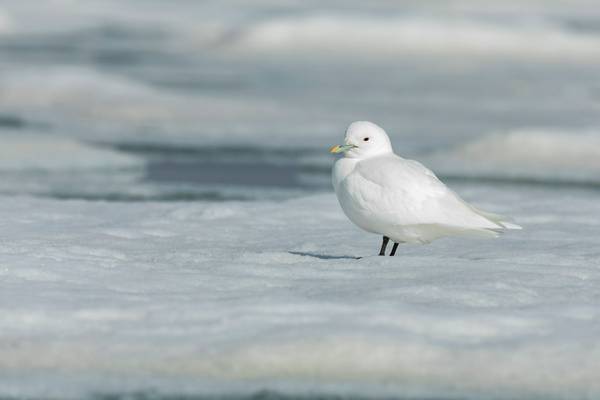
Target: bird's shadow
323 256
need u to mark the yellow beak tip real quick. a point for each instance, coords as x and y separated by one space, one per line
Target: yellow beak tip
334 149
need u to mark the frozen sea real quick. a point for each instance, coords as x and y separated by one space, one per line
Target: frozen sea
168 229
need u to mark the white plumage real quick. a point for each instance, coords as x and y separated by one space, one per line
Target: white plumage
398 198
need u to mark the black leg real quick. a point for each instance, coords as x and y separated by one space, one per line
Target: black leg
384 245
394 248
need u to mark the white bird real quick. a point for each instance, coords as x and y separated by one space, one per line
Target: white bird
401 199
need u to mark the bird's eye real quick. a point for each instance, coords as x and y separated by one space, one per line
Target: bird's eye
366 139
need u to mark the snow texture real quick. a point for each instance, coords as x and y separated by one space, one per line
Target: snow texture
527 154
385 37
226 297
31 152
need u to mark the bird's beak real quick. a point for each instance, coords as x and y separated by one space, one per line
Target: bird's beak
340 149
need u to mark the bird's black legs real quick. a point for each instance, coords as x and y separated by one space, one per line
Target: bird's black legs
384 245
394 248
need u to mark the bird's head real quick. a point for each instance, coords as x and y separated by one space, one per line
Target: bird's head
364 139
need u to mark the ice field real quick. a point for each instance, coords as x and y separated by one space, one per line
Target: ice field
227 297
168 227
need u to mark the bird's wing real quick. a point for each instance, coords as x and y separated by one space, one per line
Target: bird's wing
404 192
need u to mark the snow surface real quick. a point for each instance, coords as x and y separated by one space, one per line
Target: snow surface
5 22
31 152
488 28
379 37
232 297
544 155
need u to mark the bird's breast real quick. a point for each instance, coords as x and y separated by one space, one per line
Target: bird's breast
341 169
354 196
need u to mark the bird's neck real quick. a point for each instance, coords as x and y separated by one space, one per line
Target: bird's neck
372 154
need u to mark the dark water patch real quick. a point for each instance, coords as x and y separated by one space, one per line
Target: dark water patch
259 395
117 57
11 121
110 44
169 150
194 83
114 31
589 26
241 174
179 196
46 51
237 166
40 46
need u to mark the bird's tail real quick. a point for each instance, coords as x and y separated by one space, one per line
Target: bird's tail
500 220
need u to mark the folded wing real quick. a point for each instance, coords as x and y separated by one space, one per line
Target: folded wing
404 192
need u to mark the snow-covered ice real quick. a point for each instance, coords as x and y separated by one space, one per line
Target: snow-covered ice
543 155
30 152
227 297
388 37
